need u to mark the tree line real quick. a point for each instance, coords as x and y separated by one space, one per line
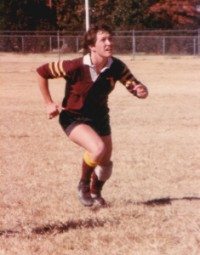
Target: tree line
69 15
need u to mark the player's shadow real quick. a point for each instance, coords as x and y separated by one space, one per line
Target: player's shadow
166 200
59 227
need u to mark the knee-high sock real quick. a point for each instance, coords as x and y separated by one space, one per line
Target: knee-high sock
96 185
88 167
86 172
99 177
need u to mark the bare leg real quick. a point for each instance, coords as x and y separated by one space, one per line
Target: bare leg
105 160
99 150
105 165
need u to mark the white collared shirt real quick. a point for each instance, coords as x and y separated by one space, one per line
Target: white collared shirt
93 72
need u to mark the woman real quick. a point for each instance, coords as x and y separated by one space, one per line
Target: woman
84 113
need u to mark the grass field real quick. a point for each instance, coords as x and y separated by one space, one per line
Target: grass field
154 192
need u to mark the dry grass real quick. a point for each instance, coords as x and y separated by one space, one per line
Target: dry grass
154 192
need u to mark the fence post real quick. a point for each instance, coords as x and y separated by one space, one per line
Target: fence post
133 43
164 45
194 46
198 42
58 44
50 44
23 44
77 44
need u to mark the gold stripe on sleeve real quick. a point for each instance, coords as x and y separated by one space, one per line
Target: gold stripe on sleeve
124 70
126 75
57 69
51 69
125 78
128 84
61 68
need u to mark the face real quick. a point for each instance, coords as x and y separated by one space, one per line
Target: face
103 45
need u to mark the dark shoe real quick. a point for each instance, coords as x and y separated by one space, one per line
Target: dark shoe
84 194
98 200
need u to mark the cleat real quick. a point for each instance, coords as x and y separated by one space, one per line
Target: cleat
84 194
98 200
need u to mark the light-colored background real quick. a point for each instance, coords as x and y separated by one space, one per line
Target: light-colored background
156 155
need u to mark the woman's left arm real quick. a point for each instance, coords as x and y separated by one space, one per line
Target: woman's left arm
137 89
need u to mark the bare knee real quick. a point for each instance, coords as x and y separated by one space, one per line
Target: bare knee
98 150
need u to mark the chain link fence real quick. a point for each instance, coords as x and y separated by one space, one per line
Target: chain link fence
185 42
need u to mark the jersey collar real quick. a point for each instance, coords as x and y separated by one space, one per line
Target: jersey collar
87 61
93 73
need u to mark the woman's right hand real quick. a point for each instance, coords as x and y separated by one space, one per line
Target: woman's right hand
52 110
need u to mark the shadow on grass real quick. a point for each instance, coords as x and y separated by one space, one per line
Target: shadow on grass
65 227
166 201
59 227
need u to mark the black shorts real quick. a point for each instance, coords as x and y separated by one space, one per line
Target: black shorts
101 124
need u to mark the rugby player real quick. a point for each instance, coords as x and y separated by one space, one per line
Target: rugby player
84 114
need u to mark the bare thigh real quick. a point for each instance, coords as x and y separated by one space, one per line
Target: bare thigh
99 148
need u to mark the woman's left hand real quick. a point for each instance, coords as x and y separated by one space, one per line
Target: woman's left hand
140 91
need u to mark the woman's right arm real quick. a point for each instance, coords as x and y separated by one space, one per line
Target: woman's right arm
52 108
